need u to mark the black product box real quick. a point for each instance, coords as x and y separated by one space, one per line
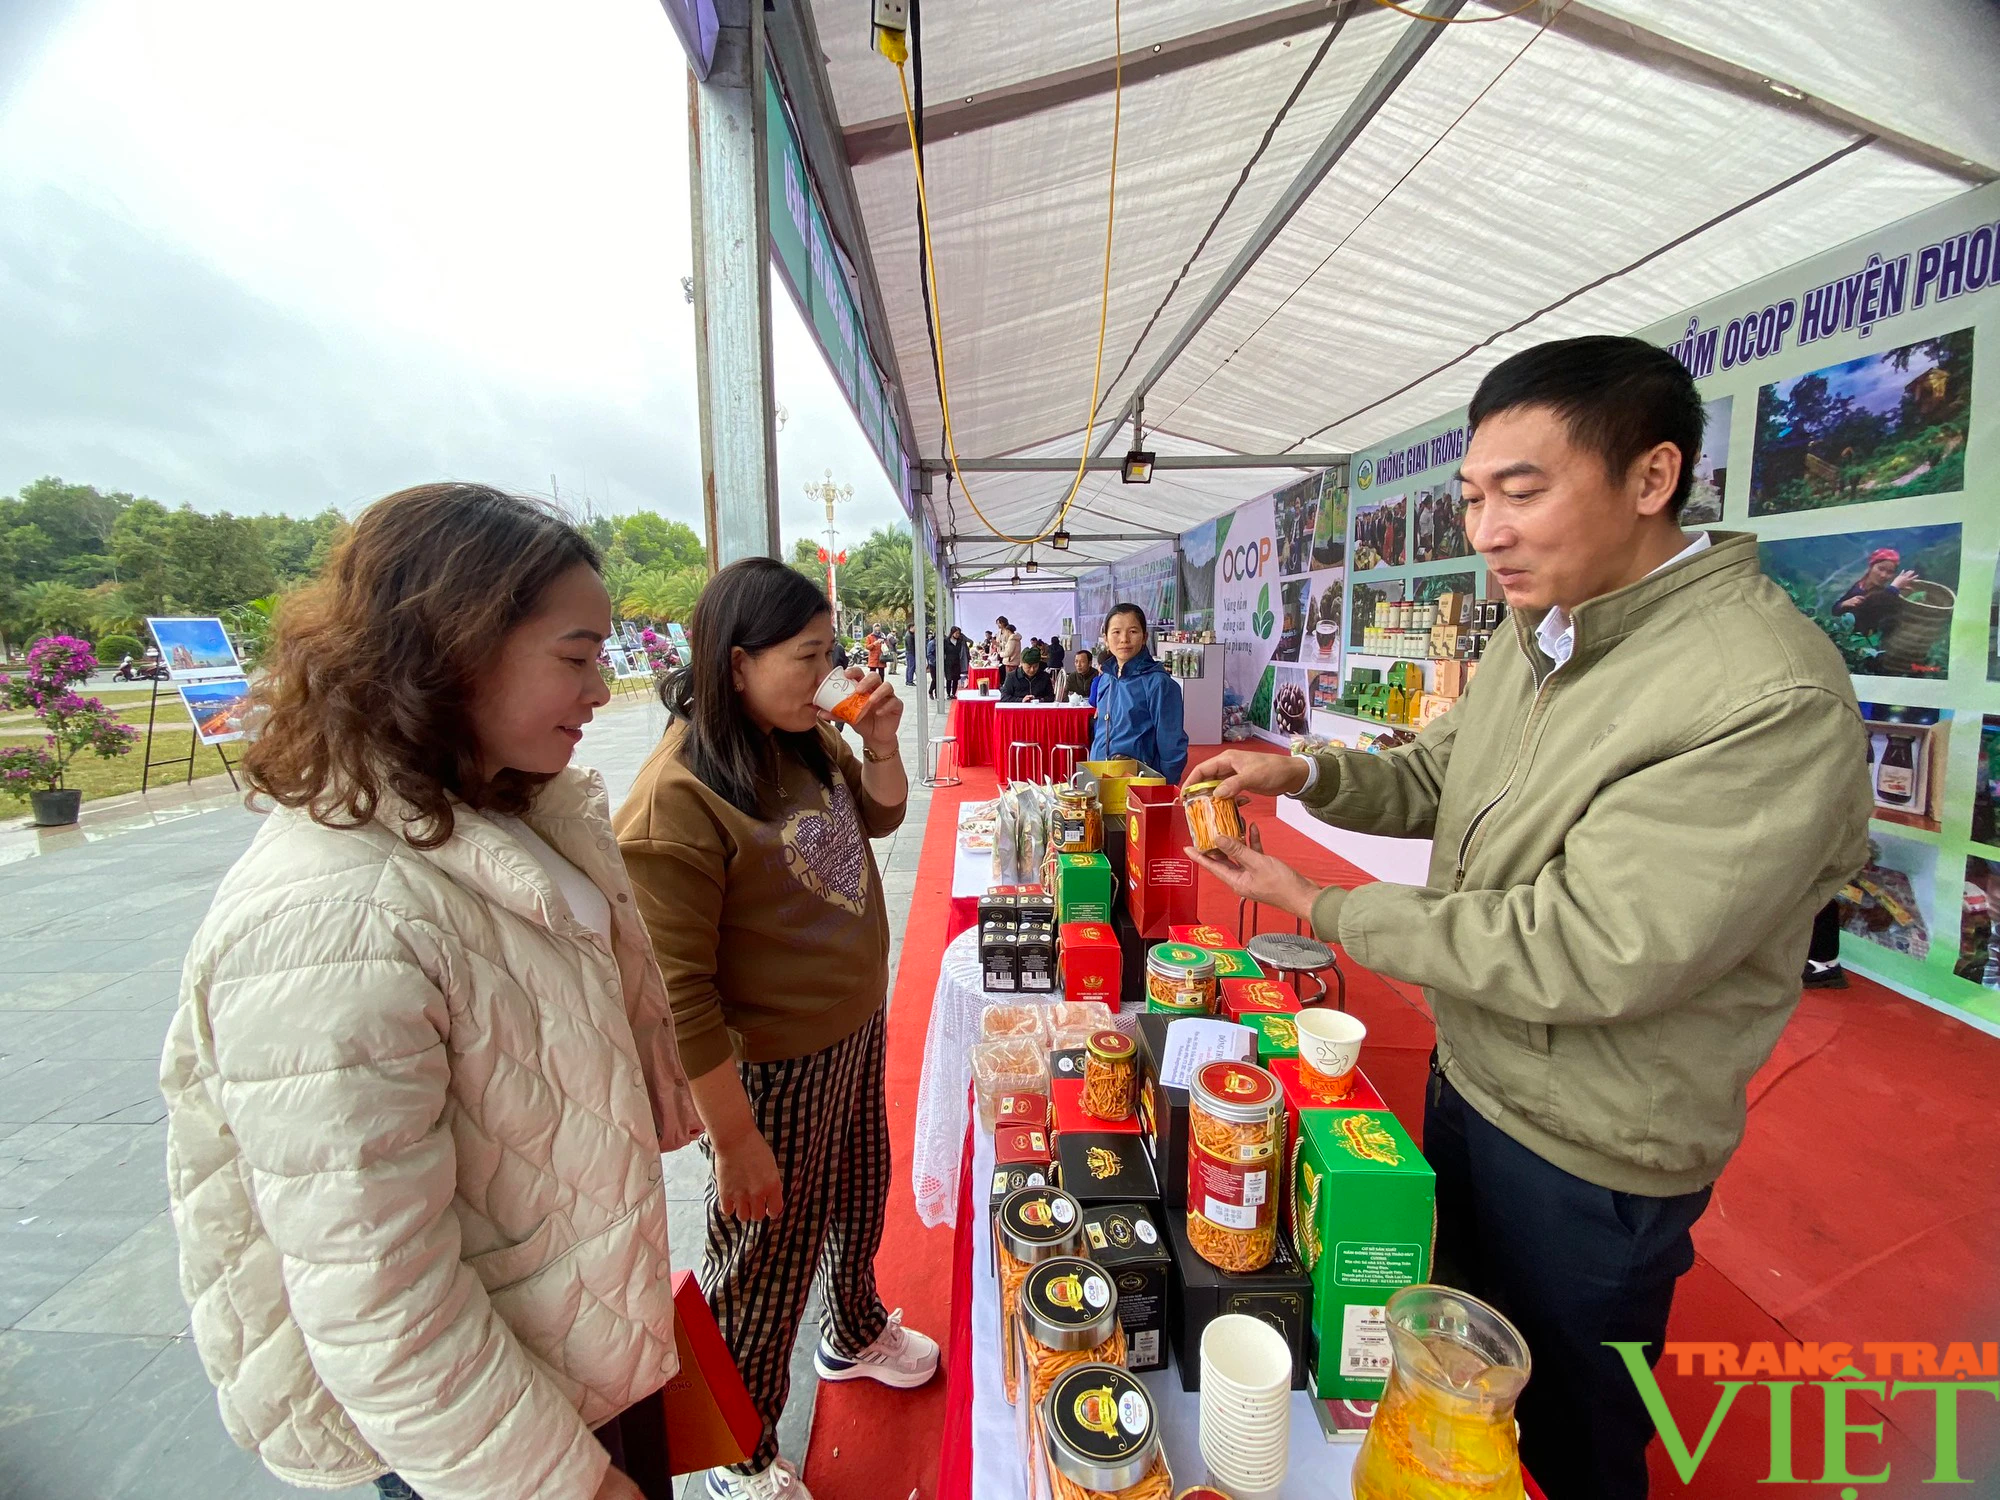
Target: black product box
1132 951
1115 830
1101 1166
1125 1239
1163 1113
1041 910
1005 1181
1000 957
994 908
1035 957
1067 1062
1280 1294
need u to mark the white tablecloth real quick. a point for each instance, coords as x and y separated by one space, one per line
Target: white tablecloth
1319 1470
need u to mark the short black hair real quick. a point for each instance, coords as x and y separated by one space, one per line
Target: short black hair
1126 607
1619 397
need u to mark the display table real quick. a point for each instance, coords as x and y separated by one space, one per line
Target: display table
971 876
972 722
1045 724
984 677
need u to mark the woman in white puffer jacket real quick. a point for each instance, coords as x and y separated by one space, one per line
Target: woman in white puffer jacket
423 1066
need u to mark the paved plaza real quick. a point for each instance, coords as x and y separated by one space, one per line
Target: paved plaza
101 1394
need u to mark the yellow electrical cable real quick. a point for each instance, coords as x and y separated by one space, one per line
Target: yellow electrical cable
1417 15
895 48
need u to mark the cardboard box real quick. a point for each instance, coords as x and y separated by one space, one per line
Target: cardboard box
1362 1095
1067 1064
1280 1294
1236 963
1083 888
1277 1034
1241 996
1132 948
1090 962
1035 957
1202 935
1007 1180
1162 1114
1067 1097
1451 677
1363 1218
1159 876
1022 1109
710 1417
1022 1146
1102 1166
1125 1239
1000 957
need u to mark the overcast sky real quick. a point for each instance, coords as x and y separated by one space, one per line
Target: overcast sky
272 256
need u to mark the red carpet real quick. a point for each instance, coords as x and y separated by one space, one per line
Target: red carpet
1862 1207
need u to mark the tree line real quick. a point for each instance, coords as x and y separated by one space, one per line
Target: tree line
76 560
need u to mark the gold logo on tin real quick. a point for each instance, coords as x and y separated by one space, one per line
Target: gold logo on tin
1102 1161
1066 1291
1097 1411
1239 1083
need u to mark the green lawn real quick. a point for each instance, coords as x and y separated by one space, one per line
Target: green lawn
98 777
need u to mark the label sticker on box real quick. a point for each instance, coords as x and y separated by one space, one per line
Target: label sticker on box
1360 1263
1364 1343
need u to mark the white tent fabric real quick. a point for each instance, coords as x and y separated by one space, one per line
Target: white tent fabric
1583 167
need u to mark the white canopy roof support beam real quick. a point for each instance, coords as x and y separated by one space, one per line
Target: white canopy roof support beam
1162 461
1416 40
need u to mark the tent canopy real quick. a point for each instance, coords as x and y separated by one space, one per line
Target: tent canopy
1332 218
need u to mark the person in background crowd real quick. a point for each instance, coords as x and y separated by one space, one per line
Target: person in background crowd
1080 681
747 836
839 655
910 655
1107 666
875 651
1055 649
1029 681
351 1189
957 656
1656 781
1139 711
1007 641
931 661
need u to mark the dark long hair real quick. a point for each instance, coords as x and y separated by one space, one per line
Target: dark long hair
370 675
756 603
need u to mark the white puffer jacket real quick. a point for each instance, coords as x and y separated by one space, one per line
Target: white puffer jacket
414 1154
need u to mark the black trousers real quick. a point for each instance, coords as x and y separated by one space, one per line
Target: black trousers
1574 1266
1825 947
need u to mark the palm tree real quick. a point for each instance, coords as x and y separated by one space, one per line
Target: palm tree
54 608
662 594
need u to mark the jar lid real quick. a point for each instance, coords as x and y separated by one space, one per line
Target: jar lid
1112 1046
1100 1429
1036 1223
1199 789
1069 1304
1181 958
1235 1091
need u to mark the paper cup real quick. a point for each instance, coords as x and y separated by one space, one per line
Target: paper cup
1329 1050
1245 1354
841 696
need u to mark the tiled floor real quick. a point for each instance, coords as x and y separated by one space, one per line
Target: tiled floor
101 1394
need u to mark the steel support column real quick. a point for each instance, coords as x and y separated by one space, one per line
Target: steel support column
732 291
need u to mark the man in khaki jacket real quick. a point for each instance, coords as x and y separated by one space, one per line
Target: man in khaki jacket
1654 781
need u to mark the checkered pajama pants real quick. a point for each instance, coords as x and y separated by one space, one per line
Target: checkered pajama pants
827 1122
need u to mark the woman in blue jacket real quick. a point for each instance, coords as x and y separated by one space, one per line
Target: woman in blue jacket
1138 704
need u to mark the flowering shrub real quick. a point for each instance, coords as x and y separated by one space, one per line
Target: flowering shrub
73 723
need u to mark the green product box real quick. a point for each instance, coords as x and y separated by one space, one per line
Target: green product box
1236 963
1083 888
1277 1033
1363 1223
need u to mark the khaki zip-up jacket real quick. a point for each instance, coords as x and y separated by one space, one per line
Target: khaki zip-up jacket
1628 854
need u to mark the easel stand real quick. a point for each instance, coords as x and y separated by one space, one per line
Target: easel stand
194 749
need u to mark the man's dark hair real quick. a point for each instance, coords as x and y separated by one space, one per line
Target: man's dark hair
1619 397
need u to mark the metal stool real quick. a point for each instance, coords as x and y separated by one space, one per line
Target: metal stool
1062 760
1299 958
939 774
1014 749
1248 911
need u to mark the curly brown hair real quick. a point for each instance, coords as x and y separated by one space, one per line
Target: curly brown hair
367 690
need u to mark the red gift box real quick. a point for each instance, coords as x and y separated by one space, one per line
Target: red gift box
1202 935
1066 1095
1159 876
709 1415
1090 962
1022 1146
1241 995
1021 1109
1286 1070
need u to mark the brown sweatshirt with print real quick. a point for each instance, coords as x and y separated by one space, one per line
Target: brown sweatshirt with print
773 936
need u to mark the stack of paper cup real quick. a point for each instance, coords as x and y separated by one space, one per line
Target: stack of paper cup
1246 1405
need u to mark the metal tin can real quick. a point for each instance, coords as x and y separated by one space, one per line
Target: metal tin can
1099 1428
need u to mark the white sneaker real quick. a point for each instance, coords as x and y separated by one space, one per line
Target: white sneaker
780 1480
900 1357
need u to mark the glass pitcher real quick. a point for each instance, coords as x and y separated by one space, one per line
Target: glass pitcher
1444 1429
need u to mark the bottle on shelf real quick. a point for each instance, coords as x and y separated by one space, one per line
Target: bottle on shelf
1896 781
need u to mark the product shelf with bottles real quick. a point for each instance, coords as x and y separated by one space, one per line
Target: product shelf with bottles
1906 750
1197 667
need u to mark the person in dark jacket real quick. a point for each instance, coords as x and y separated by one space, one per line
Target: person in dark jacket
910 655
1080 681
957 654
1028 681
1139 711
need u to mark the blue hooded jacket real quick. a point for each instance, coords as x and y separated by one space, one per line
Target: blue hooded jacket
1139 715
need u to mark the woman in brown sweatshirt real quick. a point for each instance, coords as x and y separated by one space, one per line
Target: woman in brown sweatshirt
746 836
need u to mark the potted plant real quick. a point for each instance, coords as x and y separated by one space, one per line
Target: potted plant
74 724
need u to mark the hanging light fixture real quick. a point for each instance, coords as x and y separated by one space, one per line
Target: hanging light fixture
1059 540
1033 566
1138 465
